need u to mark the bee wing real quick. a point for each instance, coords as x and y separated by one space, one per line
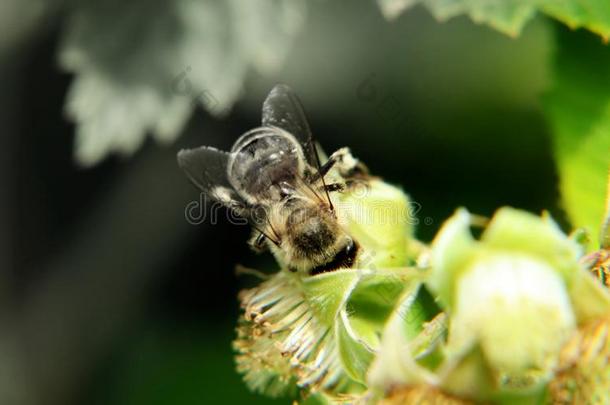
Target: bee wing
206 168
283 109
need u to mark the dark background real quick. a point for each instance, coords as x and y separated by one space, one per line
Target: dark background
110 297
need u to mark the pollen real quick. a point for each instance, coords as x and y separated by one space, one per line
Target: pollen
584 372
280 343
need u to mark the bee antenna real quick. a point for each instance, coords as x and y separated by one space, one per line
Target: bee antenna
302 180
319 167
252 222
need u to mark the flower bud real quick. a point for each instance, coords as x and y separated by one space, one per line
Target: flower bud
507 293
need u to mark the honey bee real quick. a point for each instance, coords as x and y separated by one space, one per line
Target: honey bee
273 177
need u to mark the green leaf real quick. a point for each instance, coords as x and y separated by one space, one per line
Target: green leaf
509 16
327 293
143 66
395 363
593 15
362 321
578 111
374 298
356 355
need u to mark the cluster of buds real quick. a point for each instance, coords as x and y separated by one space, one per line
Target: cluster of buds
527 321
520 314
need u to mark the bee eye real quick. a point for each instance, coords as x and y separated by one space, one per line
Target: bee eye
350 247
260 239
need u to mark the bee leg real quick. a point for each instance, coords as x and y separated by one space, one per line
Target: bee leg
345 163
333 187
325 168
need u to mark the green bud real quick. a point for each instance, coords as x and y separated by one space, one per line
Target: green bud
381 218
509 292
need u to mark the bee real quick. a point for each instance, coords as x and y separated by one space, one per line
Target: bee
309 211
273 177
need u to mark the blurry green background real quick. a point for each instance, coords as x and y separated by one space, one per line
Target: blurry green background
108 296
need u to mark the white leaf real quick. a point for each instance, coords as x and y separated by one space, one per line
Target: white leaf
142 66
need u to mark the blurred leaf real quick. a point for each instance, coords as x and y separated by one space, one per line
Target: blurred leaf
578 111
175 364
505 16
509 16
142 66
593 15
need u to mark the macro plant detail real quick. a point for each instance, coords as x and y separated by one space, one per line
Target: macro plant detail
436 230
341 238
360 311
252 36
